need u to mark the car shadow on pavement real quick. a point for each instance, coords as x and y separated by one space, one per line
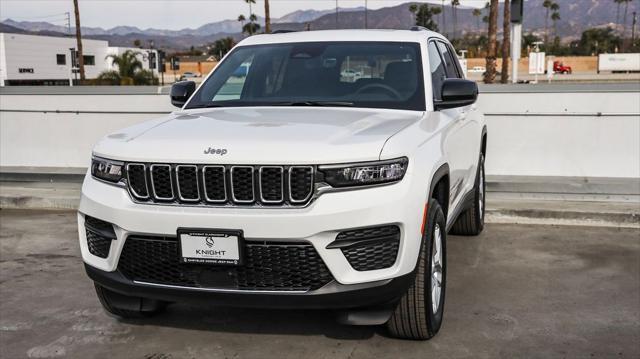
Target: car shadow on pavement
257 321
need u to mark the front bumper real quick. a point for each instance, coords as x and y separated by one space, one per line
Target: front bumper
331 296
317 224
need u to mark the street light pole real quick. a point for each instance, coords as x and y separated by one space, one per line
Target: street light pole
336 14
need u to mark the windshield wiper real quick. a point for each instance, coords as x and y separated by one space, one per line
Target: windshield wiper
316 103
204 105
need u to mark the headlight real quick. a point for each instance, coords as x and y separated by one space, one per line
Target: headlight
106 170
366 173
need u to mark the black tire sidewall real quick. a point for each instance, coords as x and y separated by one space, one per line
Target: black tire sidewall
435 216
480 207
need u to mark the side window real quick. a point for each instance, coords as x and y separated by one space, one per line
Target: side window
438 72
232 88
450 61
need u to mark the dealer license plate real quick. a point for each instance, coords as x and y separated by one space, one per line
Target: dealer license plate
210 246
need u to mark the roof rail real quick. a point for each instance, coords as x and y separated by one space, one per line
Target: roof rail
419 28
283 31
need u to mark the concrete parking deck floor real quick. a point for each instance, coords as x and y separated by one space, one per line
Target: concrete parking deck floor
517 291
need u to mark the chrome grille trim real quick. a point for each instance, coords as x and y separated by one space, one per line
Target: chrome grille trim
291 199
262 199
153 187
224 184
253 185
178 167
146 183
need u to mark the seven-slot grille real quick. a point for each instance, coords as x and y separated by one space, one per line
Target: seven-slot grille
221 185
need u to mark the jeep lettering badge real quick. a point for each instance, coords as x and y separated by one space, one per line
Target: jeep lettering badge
215 151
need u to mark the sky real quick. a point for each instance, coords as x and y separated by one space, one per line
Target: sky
171 14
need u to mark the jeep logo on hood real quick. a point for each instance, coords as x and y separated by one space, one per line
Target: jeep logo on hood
215 151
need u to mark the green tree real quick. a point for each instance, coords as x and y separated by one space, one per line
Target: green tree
413 9
137 43
424 16
596 41
221 47
130 71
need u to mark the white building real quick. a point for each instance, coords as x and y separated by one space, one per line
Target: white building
46 60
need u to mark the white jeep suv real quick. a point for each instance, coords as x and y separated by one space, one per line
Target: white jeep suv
291 186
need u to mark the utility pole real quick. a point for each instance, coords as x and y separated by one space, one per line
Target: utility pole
366 25
79 40
336 14
444 21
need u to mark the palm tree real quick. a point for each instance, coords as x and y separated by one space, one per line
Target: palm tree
490 73
546 4
477 13
555 16
130 70
128 63
506 30
242 19
618 3
250 11
454 14
252 27
267 17
624 20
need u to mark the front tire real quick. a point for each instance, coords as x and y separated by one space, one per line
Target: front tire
419 312
124 306
471 221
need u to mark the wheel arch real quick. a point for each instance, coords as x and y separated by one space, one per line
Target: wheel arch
483 143
439 188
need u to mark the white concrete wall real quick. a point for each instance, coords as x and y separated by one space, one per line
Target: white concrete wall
530 134
560 134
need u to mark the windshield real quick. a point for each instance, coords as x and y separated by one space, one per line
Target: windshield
358 74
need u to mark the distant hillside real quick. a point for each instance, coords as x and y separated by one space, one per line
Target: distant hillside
576 16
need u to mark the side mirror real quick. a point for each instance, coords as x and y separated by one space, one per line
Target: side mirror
181 91
457 93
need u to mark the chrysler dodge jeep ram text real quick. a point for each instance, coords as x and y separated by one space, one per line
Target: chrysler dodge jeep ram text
317 169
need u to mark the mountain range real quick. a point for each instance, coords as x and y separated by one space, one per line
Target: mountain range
576 16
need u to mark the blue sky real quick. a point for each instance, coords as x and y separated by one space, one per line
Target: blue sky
171 14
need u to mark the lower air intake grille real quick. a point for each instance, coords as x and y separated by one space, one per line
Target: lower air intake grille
268 266
373 248
99 236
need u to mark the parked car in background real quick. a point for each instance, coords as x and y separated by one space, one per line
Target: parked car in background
189 75
292 187
477 69
560 68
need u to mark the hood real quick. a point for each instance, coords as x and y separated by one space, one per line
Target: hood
264 135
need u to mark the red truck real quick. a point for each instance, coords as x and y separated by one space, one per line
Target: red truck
560 68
